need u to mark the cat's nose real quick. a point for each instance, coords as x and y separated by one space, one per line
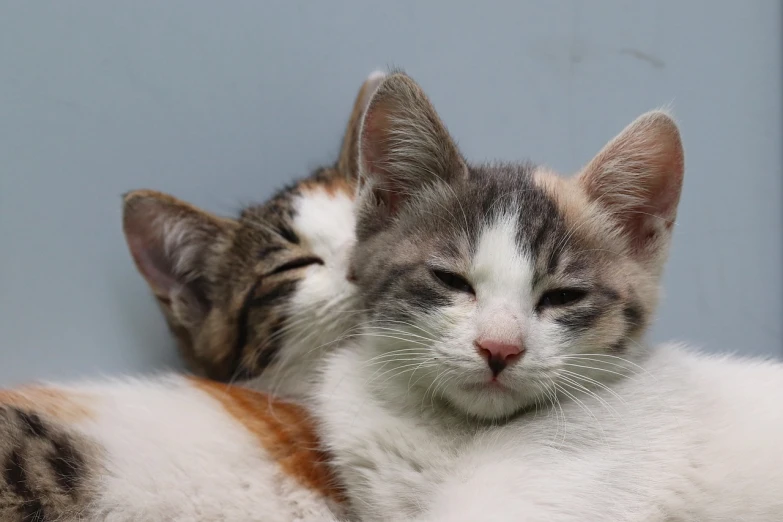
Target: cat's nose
499 354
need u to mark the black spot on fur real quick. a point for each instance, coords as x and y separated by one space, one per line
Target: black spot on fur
15 476
32 424
67 464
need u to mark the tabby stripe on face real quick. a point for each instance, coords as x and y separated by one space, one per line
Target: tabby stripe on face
395 274
424 297
634 317
264 252
266 299
580 319
584 318
271 347
236 358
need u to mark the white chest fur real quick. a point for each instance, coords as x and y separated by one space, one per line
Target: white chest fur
676 443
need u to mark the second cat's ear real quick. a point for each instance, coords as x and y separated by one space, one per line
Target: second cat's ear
347 162
175 247
403 146
637 178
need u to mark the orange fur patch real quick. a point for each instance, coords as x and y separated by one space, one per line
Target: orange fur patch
62 405
284 430
333 184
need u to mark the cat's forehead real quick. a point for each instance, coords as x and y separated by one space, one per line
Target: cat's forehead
552 223
491 192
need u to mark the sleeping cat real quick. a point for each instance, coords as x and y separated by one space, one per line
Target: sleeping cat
252 297
502 372
167 448
255 299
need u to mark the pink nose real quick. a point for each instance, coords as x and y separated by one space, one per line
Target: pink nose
499 354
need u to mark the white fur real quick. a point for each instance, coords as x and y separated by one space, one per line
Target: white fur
689 438
322 309
683 437
500 274
171 452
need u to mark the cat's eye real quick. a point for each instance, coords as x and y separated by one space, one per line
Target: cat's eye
560 297
453 281
297 263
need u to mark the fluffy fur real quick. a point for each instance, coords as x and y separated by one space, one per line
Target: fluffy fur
585 421
169 448
257 299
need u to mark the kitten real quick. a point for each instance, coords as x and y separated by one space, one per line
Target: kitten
258 298
251 297
502 372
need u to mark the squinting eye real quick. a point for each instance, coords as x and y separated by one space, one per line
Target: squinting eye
453 281
297 263
561 297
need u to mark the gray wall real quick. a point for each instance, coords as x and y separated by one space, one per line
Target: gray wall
221 102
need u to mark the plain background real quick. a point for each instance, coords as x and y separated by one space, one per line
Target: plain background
220 103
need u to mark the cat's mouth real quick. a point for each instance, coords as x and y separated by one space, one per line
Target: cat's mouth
490 385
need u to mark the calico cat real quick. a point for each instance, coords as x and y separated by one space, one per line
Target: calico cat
254 299
502 372
179 448
169 448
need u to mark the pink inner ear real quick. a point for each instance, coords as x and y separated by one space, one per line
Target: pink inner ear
374 140
662 190
375 151
639 174
149 258
147 248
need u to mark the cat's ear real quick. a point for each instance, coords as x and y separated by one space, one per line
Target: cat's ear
175 245
403 146
637 178
347 162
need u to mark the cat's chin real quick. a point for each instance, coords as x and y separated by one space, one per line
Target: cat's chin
487 400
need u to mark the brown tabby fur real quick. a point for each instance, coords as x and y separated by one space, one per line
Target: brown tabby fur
210 321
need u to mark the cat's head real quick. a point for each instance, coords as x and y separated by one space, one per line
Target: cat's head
261 296
495 286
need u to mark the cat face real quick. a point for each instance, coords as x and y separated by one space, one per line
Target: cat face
264 295
497 286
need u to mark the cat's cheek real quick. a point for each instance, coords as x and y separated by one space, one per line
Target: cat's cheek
545 339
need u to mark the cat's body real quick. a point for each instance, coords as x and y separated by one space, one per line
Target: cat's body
258 299
687 438
167 448
502 372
